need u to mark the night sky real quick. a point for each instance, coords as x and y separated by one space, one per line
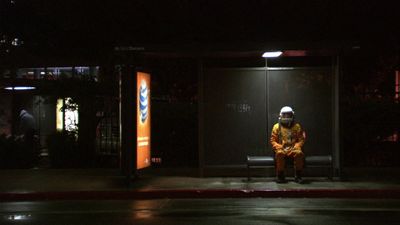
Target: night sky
75 24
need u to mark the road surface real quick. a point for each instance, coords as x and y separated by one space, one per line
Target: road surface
251 211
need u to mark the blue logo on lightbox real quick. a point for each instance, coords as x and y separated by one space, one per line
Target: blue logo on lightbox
143 105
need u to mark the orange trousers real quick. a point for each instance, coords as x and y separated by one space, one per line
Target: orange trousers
297 155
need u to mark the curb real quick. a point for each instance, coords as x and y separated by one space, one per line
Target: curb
202 194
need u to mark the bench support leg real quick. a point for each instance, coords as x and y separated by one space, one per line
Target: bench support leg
330 173
248 173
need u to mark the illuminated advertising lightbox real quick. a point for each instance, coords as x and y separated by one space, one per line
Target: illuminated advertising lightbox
143 120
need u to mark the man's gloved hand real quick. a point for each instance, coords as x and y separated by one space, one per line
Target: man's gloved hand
288 149
278 147
297 147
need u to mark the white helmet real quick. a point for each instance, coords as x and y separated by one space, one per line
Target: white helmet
288 118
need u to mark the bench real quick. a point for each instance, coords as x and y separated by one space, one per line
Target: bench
310 161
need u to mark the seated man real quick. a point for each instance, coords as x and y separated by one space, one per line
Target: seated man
287 140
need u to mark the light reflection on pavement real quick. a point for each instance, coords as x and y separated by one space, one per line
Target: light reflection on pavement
204 211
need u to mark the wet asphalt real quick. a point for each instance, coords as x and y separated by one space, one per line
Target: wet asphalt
204 211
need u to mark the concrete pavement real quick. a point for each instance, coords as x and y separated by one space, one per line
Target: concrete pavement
58 184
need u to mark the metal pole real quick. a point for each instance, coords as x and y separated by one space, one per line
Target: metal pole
201 115
267 102
335 110
121 154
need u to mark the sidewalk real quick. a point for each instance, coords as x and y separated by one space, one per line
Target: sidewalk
59 184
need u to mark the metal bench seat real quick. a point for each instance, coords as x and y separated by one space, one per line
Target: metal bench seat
310 161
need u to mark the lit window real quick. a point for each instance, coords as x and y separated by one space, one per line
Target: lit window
67 115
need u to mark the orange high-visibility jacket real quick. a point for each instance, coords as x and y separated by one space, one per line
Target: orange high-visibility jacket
282 137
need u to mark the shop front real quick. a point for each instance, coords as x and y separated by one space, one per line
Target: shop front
52 102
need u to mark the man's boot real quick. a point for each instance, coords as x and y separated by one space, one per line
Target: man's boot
280 178
297 177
